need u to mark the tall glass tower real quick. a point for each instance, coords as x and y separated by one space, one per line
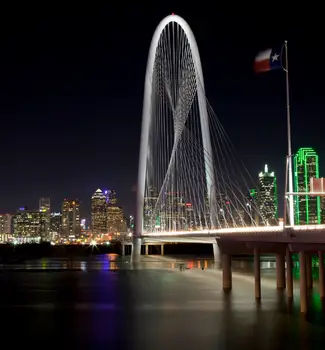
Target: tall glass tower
45 210
70 218
306 165
267 197
99 212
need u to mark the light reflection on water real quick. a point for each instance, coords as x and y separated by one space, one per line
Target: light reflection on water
115 262
165 303
108 262
104 262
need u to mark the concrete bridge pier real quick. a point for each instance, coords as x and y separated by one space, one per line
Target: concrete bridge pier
280 271
309 271
289 274
321 274
216 252
136 249
257 273
226 272
303 282
147 249
123 249
162 250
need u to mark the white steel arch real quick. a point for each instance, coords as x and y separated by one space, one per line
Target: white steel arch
146 118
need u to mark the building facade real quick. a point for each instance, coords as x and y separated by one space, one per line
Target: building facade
5 227
45 209
149 219
5 223
267 197
99 212
70 219
27 225
306 166
55 226
116 222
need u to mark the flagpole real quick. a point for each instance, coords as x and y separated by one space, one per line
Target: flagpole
289 174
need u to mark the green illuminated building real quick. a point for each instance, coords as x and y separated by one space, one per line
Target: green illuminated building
267 197
306 165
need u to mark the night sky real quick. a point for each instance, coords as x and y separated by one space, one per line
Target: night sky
71 89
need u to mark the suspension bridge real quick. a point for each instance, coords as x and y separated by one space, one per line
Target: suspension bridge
190 180
191 183
192 187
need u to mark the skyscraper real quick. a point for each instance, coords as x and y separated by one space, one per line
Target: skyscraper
99 212
267 197
45 209
27 225
5 227
70 218
44 204
112 199
5 223
116 222
55 225
150 200
306 165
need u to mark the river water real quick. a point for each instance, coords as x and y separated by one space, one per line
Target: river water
106 302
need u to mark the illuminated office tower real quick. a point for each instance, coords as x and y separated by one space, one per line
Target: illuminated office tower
131 224
267 197
173 216
5 227
189 216
116 222
150 221
99 212
83 224
27 225
250 214
306 166
45 210
5 223
71 218
55 225
112 199
44 204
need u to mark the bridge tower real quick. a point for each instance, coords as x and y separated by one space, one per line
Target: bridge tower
176 180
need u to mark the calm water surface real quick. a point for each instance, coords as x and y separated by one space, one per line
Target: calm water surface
105 302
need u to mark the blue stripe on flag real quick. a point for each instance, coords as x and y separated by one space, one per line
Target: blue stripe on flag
275 59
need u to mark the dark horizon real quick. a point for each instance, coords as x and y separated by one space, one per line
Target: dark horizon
72 83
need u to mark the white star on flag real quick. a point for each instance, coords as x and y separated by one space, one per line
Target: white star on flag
275 57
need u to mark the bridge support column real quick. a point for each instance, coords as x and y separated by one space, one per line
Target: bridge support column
303 282
289 274
226 274
136 249
309 273
321 275
147 249
123 249
162 251
216 252
280 271
257 273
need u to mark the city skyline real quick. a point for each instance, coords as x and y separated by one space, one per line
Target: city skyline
96 87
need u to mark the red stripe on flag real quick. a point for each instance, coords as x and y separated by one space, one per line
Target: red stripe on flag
262 66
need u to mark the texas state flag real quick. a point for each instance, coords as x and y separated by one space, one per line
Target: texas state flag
267 60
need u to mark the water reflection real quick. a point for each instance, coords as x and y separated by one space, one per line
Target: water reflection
168 303
107 262
83 265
